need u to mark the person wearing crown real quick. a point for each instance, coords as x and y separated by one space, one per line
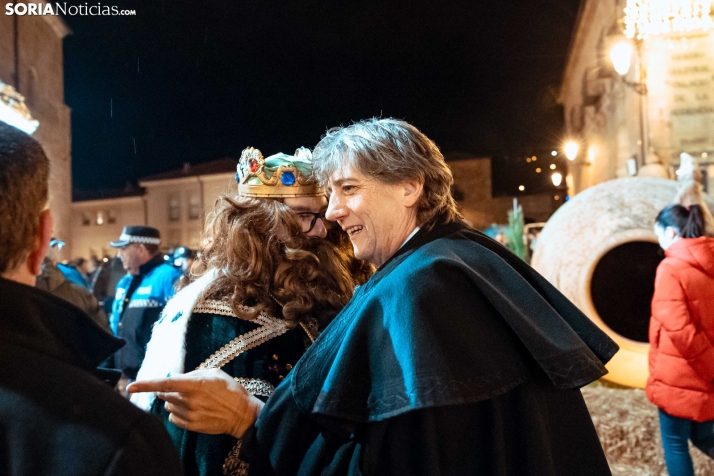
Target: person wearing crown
454 358
262 288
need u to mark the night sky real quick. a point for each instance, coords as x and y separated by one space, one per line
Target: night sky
191 81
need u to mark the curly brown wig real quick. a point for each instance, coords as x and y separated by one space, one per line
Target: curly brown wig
266 262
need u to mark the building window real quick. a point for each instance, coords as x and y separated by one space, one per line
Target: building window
194 207
174 208
111 217
86 219
101 217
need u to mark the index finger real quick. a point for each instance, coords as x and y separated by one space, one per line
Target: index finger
179 384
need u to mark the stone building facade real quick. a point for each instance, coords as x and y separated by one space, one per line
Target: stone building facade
472 177
31 60
611 120
175 202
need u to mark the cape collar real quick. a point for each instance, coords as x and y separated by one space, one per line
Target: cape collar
37 320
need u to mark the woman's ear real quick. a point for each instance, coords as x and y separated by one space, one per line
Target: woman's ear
670 232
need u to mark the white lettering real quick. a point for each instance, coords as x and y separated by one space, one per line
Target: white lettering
32 9
144 290
8 8
48 10
19 7
61 8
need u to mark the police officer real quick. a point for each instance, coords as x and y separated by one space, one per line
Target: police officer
183 258
140 295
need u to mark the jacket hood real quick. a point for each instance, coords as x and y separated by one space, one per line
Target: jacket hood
697 252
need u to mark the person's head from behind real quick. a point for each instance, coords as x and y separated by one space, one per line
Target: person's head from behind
386 178
267 241
266 261
676 221
25 219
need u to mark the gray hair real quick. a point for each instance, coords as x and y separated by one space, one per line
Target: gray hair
391 151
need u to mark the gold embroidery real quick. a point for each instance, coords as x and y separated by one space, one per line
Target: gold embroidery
233 465
270 328
311 328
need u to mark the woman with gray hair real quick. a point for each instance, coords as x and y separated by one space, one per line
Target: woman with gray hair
454 358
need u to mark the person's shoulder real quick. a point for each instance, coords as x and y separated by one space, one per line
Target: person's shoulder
166 270
69 393
124 281
455 250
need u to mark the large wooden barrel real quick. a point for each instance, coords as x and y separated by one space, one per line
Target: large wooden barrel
599 249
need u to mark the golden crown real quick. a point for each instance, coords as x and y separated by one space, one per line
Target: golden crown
277 176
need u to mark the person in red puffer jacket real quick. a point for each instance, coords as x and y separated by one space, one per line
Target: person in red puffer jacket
681 334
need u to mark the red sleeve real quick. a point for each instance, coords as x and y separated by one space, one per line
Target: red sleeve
669 308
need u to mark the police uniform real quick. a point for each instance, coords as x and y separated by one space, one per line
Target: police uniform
139 300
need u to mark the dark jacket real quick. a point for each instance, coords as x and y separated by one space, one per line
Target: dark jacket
454 358
57 416
681 359
137 305
53 280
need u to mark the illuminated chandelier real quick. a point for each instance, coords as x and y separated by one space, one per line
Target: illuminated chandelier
14 111
645 18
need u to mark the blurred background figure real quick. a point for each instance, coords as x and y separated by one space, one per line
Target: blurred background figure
183 258
681 334
140 295
105 280
55 278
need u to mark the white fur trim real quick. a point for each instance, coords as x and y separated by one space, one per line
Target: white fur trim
166 351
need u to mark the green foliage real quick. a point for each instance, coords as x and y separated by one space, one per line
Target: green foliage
514 232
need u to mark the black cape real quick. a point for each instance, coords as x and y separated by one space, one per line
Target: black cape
454 351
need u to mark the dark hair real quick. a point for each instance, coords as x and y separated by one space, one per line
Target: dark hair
151 248
24 171
688 221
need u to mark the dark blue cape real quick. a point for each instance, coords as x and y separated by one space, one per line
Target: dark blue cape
452 318
454 358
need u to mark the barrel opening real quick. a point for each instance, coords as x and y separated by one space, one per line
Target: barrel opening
622 286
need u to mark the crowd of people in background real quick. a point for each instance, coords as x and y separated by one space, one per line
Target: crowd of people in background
340 318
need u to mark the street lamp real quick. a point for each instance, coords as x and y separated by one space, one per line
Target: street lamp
557 179
571 150
621 54
14 111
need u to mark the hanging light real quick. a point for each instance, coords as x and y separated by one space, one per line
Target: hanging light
13 110
645 18
557 179
571 150
621 56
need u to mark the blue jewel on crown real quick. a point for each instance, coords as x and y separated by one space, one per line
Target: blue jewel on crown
288 178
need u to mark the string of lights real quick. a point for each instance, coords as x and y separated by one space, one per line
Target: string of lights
644 18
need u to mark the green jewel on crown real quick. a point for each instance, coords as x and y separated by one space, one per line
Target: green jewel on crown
279 175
